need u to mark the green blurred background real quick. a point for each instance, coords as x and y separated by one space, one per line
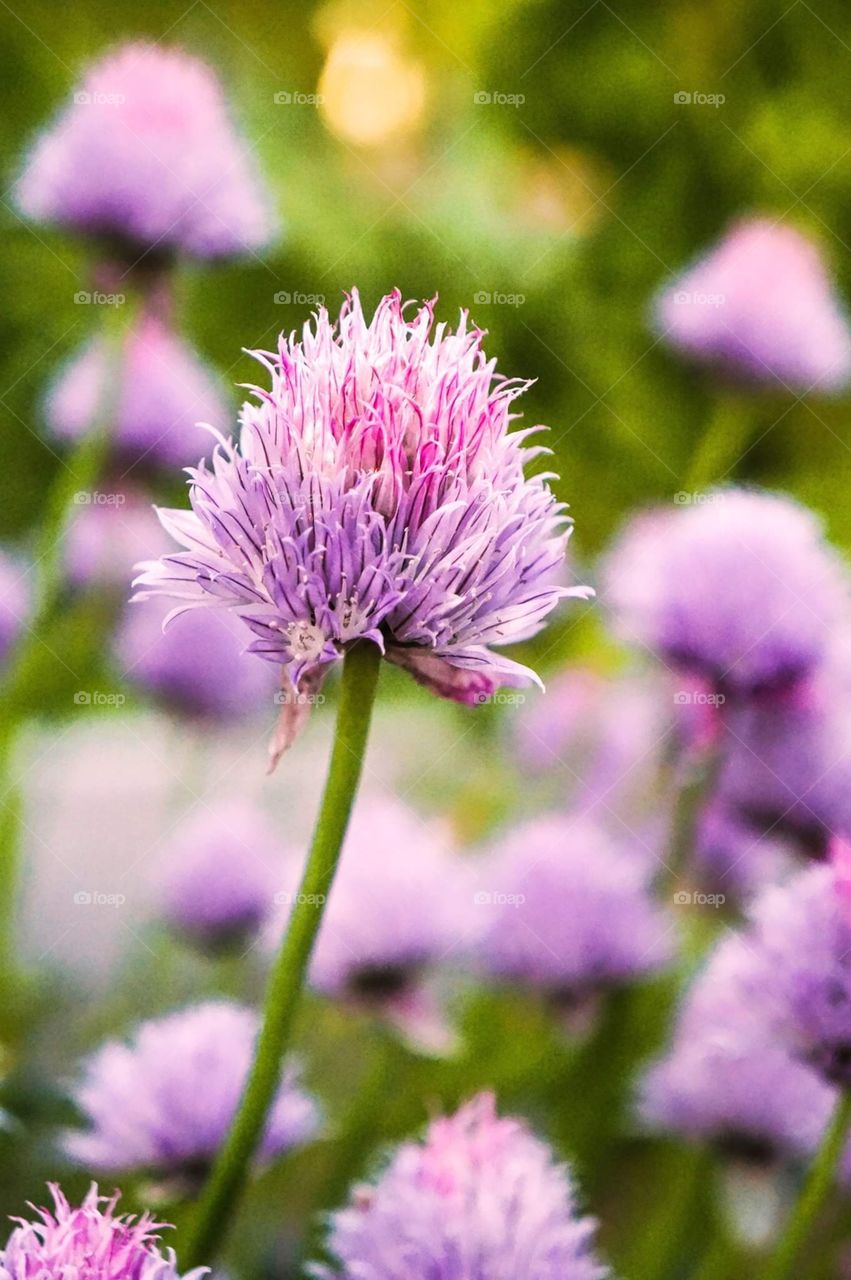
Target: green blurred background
580 200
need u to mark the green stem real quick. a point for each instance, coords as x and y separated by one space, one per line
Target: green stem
231 1169
819 1181
722 444
721 1260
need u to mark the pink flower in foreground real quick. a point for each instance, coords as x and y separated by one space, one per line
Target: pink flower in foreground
479 1199
91 1242
147 154
376 493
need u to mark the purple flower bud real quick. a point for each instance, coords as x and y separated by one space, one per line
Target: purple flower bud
566 909
14 602
728 1079
400 907
146 153
741 590
108 533
761 306
479 1196
165 392
218 875
163 1102
197 667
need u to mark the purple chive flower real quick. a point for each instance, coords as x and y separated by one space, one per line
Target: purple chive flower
197 667
163 1102
147 154
761 306
106 538
801 934
218 876
91 1242
376 493
479 1196
569 911
740 591
727 1079
787 762
165 392
399 909
14 602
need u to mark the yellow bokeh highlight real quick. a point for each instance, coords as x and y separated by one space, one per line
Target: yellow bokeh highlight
369 91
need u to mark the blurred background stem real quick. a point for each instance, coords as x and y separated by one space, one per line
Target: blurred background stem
727 438
73 486
231 1169
815 1191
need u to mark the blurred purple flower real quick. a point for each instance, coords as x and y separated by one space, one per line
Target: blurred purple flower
399 908
568 910
727 1078
166 390
14 601
218 874
787 762
91 1242
376 493
147 154
741 590
106 538
164 1101
800 933
479 1197
197 667
761 305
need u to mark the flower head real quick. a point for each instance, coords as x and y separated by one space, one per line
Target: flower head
787 763
92 1242
569 910
147 154
480 1196
761 306
105 540
14 602
375 494
398 910
218 875
801 933
196 667
727 1078
741 590
165 391
164 1101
